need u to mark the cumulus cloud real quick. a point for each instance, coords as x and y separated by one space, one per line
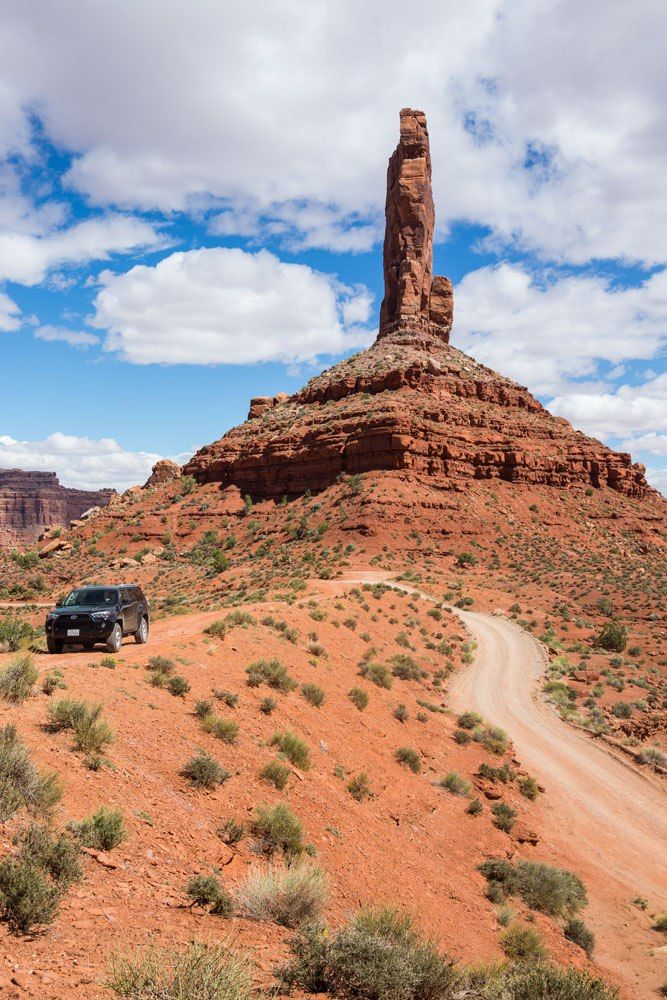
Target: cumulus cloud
658 479
283 113
543 330
638 410
9 313
81 462
27 257
215 306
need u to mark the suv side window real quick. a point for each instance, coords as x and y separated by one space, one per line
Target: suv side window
124 597
137 595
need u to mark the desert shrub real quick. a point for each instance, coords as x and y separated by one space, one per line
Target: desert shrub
22 785
529 787
401 713
104 830
17 678
522 944
410 758
33 881
359 787
231 832
202 771
293 747
660 923
492 738
178 686
313 694
358 697
273 673
405 668
278 829
52 682
456 784
275 774
206 890
377 674
110 662
532 981
220 627
380 955
575 930
462 737
469 720
198 972
91 732
223 729
229 698
475 807
504 816
551 890
160 669
290 897
14 633
613 637
203 707
268 705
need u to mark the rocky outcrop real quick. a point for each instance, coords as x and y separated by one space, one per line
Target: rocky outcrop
411 403
413 298
164 471
33 501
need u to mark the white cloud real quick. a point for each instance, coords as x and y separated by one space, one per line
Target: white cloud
27 257
639 410
214 306
285 113
75 338
653 443
9 313
658 479
81 462
544 330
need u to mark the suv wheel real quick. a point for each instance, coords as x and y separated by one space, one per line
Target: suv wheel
54 645
115 639
141 635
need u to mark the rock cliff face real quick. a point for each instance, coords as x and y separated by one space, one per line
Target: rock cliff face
411 402
33 501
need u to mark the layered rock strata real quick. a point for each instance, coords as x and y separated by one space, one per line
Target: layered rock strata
33 501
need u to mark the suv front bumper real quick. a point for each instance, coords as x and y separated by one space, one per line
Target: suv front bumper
80 628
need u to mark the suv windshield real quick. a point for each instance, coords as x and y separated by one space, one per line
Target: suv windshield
91 598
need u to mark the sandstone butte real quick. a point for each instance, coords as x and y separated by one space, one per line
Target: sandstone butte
412 402
31 502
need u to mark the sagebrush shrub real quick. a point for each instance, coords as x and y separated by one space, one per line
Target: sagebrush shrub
273 673
202 771
377 674
359 787
17 678
223 729
22 785
313 694
104 830
198 972
410 758
278 830
276 774
293 747
207 890
359 698
575 930
522 944
290 897
456 784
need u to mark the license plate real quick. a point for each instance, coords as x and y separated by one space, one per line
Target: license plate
73 631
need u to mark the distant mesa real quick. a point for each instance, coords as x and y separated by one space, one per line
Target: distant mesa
32 502
411 403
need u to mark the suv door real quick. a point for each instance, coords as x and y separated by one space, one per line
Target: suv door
128 609
142 606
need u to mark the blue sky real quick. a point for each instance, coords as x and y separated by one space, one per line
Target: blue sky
191 208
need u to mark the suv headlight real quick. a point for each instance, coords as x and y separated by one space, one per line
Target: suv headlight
102 615
50 616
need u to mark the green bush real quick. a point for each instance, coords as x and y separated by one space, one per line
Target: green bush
377 674
475 807
104 830
22 785
278 829
405 668
33 882
268 705
220 627
456 784
17 678
380 955
273 673
492 738
554 891
533 982
291 897
359 787
358 697
91 732
613 637
14 633
294 748
198 972
178 686
202 771
469 720
401 713
504 816
575 930
223 729
529 787
55 853
231 832
522 944
275 774
206 890
410 758
313 694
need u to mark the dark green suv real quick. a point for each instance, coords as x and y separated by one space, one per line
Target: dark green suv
91 615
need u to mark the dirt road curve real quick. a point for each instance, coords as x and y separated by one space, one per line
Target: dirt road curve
606 816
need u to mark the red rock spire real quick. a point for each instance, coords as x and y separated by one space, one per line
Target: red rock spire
414 299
